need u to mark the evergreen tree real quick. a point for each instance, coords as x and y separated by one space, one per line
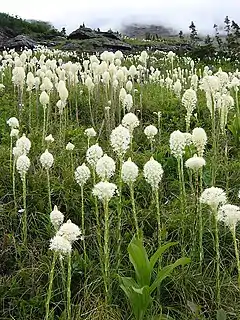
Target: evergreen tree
180 34
218 38
63 31
227 25
193 33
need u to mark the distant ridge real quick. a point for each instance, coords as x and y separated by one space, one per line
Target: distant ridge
138 30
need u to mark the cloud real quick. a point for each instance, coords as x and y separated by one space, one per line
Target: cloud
105 13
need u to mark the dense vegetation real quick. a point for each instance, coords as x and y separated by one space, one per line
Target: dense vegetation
105 272
16 25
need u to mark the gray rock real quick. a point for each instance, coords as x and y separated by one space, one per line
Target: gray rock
18 42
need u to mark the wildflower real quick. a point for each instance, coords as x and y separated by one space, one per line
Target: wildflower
129 171
70 146
120 140
189 100
14 133
150 132
82 174
44 99
129 86
213 197
24 144
60 244
46 160
153 172
104 190
94 153
128 102
56 217
105 167
195 163
229 214
70 231
90 133
199 139
177 144
49 138
23 164
13 123
130 121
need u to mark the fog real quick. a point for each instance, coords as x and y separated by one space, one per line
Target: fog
176 14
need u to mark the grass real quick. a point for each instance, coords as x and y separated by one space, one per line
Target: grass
24 271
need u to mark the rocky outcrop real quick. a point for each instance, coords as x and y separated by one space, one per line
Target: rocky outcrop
84 33
95 40
20 41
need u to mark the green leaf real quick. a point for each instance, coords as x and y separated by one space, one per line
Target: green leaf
127 285
221 315
159 252
166 271
139 298
139 259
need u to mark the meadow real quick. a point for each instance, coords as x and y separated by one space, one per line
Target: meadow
119 186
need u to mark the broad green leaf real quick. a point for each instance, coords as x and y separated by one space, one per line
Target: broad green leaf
127 284
159 252
166 271
221 315
139 298
139 259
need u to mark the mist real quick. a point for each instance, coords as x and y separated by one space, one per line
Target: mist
175 14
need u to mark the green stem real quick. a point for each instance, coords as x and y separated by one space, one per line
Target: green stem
158 218
98 223
83 232
49 293
14 184
90 109
49 191
119 209
44 124
24 221
236 253
69 288
106 252
218 297
201 252
214 158
134 209
10 158
182 200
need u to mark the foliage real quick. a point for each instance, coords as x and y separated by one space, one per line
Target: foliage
139 291
18 25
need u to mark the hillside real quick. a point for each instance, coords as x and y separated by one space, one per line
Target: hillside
140 31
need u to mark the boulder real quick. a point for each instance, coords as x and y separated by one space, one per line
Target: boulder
18 42
83 33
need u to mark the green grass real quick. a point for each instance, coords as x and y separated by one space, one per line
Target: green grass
24 271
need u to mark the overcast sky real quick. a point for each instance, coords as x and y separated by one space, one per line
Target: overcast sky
112 14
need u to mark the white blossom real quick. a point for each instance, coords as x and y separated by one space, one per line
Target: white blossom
129 171
105 167
195 163
82 174
153 173
46 160
213 197
56 217
94 153
69 231
104 190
